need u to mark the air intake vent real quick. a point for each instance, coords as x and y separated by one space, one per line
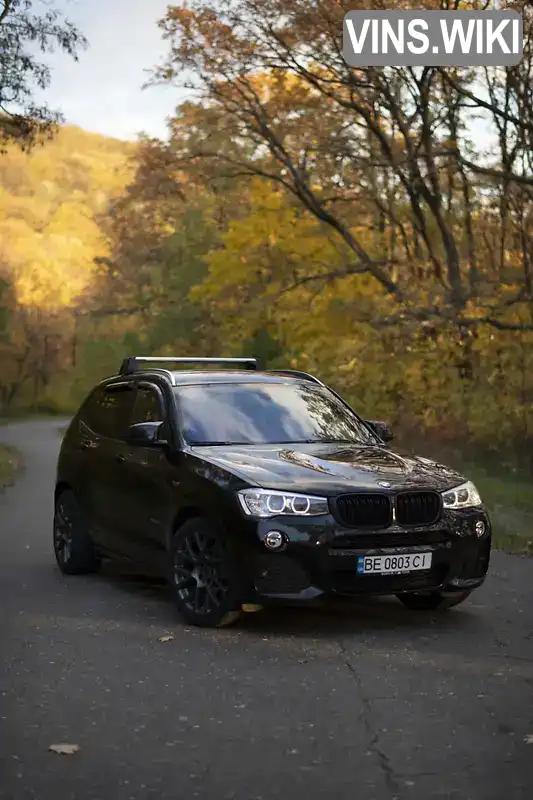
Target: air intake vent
372 541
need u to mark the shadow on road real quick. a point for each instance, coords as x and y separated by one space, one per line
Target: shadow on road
323 619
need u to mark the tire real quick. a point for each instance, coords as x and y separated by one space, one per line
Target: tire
205 576
73 547
433 601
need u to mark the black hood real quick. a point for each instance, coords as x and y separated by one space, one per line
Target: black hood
330 469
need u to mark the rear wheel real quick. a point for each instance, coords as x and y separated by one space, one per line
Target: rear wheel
433 601
73 547
206 579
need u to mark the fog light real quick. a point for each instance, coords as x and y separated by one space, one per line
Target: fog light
480 529
274 540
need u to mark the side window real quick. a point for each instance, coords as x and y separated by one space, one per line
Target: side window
107 411
147 407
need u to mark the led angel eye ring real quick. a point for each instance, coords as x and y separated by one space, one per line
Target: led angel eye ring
299 500
281 499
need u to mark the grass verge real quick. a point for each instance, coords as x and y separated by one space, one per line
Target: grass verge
11 464
506 491
509 499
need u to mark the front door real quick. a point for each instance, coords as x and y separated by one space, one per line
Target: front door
148 474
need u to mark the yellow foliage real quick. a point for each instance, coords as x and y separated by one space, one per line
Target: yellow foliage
265 246
49 236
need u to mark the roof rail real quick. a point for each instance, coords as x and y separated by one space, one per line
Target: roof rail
131 364
298 374
156 371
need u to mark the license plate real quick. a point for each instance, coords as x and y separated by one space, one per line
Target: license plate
387 565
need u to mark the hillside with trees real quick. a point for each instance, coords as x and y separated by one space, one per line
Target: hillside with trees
51 242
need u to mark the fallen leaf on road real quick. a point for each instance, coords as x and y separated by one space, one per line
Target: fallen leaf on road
64 749
166 638
529 739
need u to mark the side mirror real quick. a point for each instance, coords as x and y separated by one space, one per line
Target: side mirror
145 434
381 429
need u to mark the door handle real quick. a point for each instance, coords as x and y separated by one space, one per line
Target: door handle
121 458
85 445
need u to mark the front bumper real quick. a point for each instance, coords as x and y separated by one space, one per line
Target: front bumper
320 557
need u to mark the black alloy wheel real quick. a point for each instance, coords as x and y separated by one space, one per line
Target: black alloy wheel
433 601
205 575
73 547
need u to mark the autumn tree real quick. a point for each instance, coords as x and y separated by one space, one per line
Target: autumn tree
159 232
25 30
270 75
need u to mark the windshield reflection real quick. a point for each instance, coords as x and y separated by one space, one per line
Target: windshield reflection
276 413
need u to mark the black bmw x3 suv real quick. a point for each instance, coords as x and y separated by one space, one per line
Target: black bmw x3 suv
244 487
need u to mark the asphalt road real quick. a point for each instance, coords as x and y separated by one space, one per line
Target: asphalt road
372 702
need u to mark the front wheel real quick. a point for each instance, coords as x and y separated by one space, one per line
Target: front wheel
206 579
73 547
433 601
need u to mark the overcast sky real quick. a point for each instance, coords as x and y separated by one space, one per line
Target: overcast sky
102 92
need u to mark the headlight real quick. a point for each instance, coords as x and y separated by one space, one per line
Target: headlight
464 496
269 503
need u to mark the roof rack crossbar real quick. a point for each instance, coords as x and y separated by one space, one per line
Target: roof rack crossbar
130 365
298 374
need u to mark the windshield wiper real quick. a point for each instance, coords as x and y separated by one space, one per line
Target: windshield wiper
338 441
287 442
214 444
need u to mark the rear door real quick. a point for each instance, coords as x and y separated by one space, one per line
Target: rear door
103 424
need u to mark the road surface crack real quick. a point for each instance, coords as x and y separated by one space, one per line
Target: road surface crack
391 780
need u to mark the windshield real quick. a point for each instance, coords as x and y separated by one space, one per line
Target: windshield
269 413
